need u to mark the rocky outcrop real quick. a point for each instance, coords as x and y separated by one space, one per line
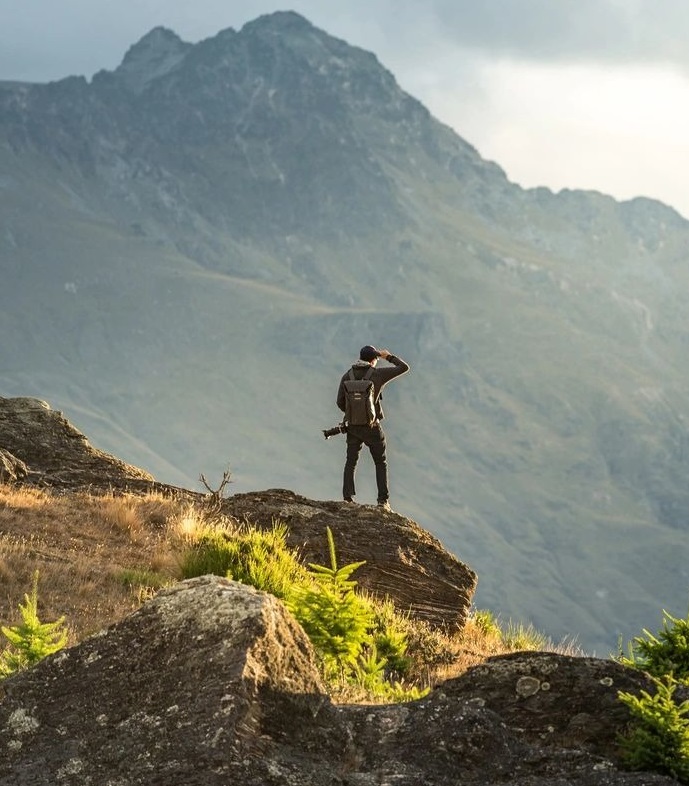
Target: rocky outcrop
403 561
52 451
212 682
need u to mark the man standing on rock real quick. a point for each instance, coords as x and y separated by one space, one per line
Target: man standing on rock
353 397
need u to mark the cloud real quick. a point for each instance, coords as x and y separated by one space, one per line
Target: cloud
621 131
48 39
566 30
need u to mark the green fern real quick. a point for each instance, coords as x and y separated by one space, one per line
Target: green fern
658 739
666 653
334 617
32 640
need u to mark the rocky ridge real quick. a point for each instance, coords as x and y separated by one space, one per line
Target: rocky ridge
40 445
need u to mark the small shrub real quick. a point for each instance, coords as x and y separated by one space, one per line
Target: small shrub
361 640
370 673
370 670
334 617
658 739
666 653
390 636
32 640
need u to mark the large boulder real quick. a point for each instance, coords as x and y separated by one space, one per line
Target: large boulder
403 561
209 683
213 683
57 454
555 700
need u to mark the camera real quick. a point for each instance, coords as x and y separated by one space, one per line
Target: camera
333 432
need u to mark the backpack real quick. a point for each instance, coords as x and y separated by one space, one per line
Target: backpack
360 405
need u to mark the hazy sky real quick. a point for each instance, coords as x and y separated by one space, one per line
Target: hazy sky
563 93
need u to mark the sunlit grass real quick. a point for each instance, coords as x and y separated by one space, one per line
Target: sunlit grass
81 543
187 524
21 497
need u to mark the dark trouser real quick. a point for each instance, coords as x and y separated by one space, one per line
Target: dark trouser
374 439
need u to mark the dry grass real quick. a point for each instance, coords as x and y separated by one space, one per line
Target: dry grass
100 557
82 545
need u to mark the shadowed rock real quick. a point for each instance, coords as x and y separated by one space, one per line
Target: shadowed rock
209 683
213 683
555 700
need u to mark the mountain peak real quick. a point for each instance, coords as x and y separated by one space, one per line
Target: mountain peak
154 55
279 21
313 45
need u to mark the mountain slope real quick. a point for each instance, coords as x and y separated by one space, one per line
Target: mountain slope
194 246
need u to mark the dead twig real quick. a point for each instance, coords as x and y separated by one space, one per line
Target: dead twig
214 498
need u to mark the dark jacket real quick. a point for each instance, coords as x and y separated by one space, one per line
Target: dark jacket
380 378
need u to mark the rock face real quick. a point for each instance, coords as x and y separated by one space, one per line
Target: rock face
11 468
187 690
403 561
214 683
554 700
46 447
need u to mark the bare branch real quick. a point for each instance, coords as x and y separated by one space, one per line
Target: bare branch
214 499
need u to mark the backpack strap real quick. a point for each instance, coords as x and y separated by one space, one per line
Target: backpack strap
367 375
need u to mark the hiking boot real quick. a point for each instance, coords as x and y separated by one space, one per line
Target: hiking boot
385 505
349 500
